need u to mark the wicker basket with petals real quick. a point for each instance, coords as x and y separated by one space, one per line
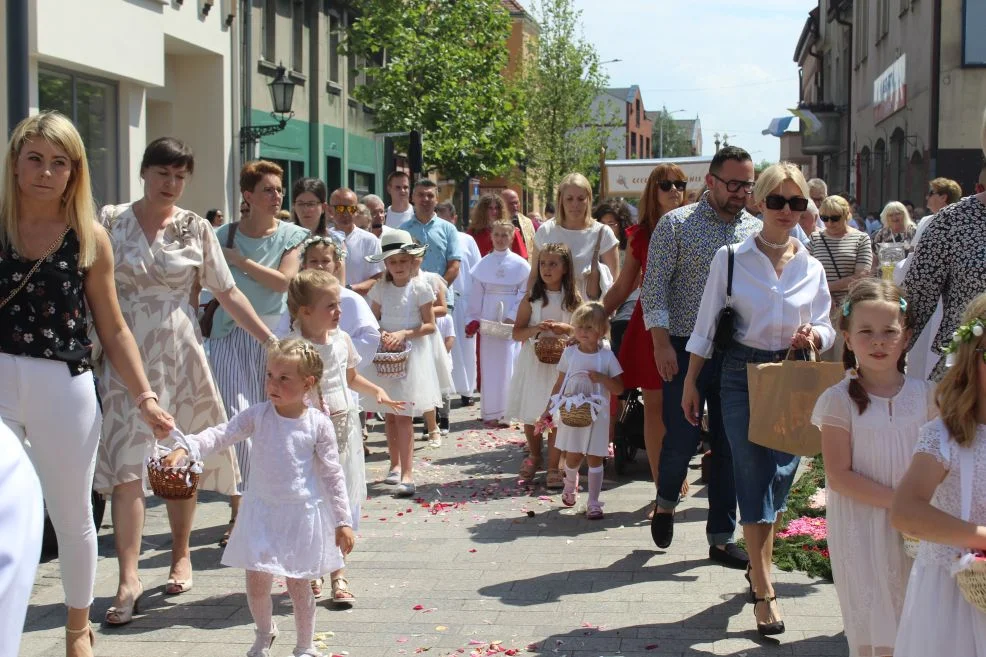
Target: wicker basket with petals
972 583
175 483
548 349
392 364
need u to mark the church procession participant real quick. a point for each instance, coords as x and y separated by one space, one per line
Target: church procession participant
360 274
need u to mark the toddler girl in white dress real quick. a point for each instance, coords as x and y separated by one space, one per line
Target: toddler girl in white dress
294 521
592 360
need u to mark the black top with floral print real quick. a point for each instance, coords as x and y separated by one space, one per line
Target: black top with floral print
46 319
949 263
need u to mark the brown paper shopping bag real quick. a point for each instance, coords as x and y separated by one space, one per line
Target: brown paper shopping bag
782 397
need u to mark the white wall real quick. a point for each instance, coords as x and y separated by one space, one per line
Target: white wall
612 111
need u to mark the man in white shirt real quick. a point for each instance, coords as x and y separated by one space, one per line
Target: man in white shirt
360 274
400 210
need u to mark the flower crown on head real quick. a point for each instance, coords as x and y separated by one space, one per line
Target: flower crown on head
330 239
847 307
964 333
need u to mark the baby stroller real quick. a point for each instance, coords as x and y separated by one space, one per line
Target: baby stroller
629 436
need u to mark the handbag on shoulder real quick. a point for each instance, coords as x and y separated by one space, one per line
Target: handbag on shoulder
725 327
205 321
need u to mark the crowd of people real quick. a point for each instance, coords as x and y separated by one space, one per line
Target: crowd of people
345 307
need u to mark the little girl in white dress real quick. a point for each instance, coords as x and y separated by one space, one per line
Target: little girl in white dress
593 362
403 304
314 302
545 314
870 423
294 521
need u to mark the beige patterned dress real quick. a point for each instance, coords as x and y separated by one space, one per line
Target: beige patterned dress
154 284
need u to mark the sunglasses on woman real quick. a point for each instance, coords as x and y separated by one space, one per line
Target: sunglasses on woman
777 202
833 218
666 185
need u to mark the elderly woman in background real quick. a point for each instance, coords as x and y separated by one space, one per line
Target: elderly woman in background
898 228
942 192
844 253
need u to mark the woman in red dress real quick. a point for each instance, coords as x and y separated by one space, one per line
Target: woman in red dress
665 191
490 208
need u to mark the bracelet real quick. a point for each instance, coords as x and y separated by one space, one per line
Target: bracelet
144 396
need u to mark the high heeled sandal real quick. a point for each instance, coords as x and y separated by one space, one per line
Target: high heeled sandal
268 637
753 594
69 632
767 629
124 614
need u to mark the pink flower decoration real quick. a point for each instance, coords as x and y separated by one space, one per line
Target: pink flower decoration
816 528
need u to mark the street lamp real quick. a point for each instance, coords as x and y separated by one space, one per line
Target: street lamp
610 61
664 115
282 96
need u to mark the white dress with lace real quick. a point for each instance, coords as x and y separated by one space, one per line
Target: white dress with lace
296 497
869 565
936 619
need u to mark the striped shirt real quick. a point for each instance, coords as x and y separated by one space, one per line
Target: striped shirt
844 256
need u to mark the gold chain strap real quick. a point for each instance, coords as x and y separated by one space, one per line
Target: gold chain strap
51 249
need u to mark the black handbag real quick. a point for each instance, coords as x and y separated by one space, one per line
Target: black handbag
725 327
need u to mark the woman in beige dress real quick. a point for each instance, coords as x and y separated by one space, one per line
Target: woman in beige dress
162 255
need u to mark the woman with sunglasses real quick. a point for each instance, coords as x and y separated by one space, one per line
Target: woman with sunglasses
781 302
665 191
844 253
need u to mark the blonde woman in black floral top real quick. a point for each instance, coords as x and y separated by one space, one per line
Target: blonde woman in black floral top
56 267
949 262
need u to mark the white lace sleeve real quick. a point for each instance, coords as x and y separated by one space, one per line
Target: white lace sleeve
935 440
330 470
834 409
215 439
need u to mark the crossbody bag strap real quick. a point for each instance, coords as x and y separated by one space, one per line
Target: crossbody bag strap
37 265
729 275
231 234
834 263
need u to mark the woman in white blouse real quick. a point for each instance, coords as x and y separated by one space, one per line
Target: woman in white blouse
781 302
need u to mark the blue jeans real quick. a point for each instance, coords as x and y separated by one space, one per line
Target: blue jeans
763 476
681 440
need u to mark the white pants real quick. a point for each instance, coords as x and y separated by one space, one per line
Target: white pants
463 354
21 525
57 419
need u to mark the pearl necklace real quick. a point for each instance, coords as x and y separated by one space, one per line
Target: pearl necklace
771 245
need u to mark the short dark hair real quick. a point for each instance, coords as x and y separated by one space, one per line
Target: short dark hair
909 202
728 153
445 206
395 174
425 183
310 185
211 214
549 207
168 152
619 209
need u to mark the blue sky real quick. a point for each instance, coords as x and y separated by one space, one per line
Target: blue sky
729 61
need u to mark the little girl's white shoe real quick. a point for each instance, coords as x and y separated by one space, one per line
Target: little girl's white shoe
263 642
307 652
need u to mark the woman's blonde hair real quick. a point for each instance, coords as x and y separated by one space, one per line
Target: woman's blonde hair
957 395
308 359
591 315
894 207
835 205
479 218
505 224
574 180
305 287
774 176
78 207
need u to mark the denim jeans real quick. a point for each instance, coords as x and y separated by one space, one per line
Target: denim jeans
681 440
763 476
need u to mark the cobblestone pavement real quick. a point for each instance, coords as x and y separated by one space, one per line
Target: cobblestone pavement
474 565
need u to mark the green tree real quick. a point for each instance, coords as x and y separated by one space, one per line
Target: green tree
677 142
562 78
441 73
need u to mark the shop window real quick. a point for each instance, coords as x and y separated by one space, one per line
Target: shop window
92 106
361 183
973 27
